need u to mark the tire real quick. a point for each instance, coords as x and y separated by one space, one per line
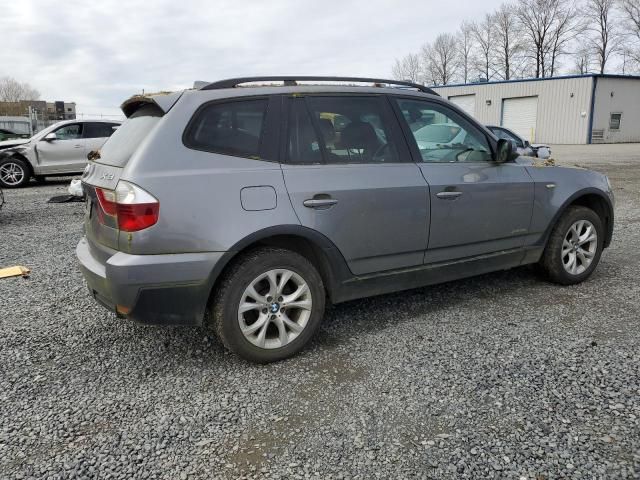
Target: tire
556 261
264 340
14 172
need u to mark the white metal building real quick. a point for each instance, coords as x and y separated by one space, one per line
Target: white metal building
562 110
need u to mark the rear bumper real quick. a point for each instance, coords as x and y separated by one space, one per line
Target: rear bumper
168 289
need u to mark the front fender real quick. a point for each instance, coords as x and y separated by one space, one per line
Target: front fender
558 187
579 198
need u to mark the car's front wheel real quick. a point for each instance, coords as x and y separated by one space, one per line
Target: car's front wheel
268 305
14 172
574 247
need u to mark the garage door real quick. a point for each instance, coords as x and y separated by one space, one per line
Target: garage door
520 115
465 102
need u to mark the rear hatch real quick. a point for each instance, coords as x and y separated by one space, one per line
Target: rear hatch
102 175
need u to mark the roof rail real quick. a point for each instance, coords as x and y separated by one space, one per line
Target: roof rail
291 80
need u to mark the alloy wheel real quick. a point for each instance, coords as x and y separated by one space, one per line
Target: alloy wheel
12 174
579 247
275 308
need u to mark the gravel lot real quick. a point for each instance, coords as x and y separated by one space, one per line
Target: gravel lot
500 376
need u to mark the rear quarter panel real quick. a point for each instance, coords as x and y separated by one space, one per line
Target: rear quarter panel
199 192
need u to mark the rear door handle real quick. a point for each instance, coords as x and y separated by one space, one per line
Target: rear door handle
77 146
448 195
320 202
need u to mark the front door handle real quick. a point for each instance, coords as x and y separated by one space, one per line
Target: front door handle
448 195
77 146
319 202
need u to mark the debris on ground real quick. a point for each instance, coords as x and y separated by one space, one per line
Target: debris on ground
75 188
16 271
65 199
549 162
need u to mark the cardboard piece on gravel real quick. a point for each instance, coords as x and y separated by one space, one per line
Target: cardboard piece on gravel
16 271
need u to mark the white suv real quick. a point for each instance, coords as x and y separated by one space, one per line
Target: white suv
60 149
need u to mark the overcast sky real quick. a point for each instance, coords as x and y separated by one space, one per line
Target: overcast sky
98 53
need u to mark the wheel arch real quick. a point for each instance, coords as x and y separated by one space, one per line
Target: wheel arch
315 247
593 199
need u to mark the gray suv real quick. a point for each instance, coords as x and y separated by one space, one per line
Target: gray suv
247 207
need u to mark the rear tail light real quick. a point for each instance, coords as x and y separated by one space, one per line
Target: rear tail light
130 206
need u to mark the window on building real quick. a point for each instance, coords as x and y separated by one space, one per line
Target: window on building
233 128
614 121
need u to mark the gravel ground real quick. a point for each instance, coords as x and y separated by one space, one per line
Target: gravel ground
499 376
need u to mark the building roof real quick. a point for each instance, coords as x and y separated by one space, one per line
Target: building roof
562 77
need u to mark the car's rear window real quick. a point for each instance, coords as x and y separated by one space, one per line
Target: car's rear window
127 138
233 128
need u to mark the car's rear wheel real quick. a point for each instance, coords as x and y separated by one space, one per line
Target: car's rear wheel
14 172
574 247
268 305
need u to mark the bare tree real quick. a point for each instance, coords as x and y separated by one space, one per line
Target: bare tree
507 41
407 68
583 61
440 59
13 91
484 36
465 50
631 10
631 15
605 38
567 25
537 18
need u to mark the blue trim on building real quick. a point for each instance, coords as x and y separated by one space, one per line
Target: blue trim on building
565 77
591 109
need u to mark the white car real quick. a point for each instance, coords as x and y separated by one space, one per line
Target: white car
60 149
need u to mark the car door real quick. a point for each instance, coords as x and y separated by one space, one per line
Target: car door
350 177
65 154
478 206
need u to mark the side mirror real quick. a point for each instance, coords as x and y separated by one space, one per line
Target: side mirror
51 137
527 144
505 152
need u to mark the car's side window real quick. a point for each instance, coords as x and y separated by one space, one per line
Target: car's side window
69 132
98 129
442 135
233 128
303 145
353 129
